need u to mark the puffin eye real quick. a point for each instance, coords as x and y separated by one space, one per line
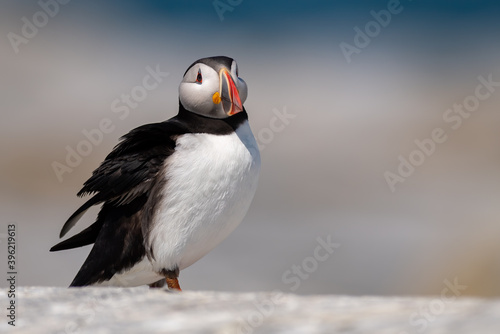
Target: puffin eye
198 77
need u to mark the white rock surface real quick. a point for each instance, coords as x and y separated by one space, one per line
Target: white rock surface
143 310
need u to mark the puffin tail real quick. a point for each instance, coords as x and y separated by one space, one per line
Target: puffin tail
78 214
85 237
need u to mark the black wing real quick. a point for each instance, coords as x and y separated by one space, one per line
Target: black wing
127 173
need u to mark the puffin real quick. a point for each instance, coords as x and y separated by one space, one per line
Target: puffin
171 191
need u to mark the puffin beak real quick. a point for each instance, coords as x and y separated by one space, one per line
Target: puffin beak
230 96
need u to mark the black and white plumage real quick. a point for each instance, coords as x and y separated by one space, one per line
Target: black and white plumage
171 191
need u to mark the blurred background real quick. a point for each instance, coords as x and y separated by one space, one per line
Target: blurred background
349 118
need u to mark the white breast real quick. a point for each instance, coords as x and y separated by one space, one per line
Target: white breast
211 180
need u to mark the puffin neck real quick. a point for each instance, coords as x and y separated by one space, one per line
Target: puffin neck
203 124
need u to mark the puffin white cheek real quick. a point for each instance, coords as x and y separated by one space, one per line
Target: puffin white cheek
194 98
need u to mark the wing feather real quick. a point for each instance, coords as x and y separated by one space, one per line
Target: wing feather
129 171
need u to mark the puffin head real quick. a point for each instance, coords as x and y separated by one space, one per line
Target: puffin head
211 87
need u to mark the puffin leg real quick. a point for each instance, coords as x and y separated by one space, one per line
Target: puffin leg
173 283
171 278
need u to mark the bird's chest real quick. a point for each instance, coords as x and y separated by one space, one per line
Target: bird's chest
210 183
